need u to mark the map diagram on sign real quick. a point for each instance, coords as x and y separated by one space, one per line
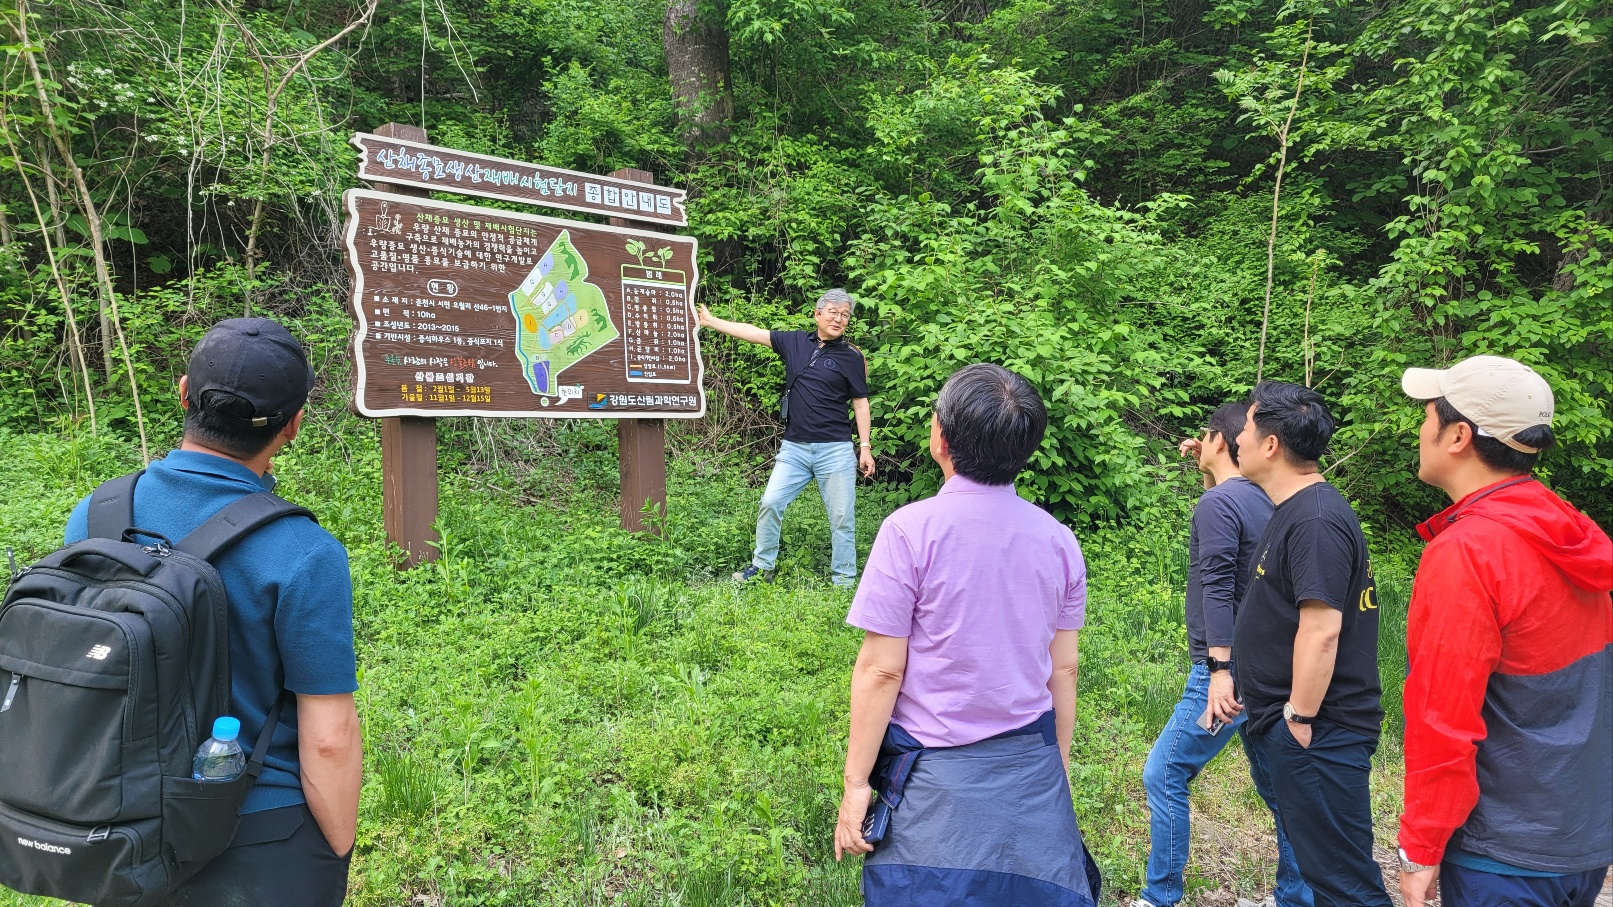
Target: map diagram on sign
560 318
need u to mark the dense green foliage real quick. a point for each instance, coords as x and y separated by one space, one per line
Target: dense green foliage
560 713
1080 190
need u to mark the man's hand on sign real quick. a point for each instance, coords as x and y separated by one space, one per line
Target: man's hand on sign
705 317
865 463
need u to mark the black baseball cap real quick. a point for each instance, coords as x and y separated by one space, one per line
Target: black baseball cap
249 373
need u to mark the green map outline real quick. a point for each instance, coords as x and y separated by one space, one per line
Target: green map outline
595 330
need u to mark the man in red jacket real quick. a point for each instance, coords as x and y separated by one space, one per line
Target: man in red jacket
1509 697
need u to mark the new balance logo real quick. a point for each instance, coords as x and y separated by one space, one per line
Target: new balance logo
99 653
47 848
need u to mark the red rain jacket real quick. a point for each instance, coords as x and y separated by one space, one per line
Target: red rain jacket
1508 747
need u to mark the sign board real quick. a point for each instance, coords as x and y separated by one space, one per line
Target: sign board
402 162
467 311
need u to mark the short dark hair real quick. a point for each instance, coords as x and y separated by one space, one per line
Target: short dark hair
243 443
1227 421
992 420
1492 452
1298 417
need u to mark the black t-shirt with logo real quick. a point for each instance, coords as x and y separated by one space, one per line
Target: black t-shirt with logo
1312 549
820 398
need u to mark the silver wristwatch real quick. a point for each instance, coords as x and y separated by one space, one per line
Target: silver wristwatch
1406 865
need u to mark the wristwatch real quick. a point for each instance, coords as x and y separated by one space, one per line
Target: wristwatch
1216 664
1290 715
1406 865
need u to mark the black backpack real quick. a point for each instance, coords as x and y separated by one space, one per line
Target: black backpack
114 662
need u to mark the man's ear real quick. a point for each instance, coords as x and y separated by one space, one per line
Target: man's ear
1269 446
293 427
1461 437
184 388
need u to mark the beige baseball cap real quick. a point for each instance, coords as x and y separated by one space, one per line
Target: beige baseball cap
1500 395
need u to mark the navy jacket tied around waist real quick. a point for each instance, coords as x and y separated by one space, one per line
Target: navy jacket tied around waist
989 824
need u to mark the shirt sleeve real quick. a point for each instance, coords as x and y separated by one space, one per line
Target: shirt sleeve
857 377
1073 610
1321 559
783 344
1453 644
78 524
888 593
313 623
1218 529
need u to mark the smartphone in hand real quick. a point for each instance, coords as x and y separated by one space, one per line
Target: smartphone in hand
1210 723
877 822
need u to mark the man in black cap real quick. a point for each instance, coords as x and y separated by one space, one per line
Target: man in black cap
291 620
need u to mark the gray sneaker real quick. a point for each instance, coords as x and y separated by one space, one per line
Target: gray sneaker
752 572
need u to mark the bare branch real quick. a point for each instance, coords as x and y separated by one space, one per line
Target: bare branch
1276 194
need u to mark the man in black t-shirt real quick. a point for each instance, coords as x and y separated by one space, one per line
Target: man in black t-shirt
1307 642
823 375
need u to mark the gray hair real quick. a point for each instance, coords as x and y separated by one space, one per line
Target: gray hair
836 296
992 420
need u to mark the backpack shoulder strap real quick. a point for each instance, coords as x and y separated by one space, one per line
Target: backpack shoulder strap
260 750
112 507
236 522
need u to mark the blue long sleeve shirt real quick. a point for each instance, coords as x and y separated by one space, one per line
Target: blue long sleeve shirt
1227 523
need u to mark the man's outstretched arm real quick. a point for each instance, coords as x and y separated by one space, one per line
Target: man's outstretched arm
747 332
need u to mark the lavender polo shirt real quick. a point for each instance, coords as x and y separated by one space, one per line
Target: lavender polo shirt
977 579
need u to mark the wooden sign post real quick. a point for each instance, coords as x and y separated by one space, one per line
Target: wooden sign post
640 443
409 444
464 310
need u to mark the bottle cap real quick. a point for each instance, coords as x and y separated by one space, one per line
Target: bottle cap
226 728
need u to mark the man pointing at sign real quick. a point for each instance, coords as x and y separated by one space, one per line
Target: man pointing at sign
823 373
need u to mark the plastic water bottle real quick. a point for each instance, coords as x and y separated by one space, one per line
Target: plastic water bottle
220 757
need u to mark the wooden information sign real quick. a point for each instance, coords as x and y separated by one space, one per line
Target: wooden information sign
403 162
467 311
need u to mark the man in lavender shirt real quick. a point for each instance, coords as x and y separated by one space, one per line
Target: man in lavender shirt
971 602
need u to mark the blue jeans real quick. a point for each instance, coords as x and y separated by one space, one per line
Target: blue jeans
1180 753
834 465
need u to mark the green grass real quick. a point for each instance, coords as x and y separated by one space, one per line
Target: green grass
557 712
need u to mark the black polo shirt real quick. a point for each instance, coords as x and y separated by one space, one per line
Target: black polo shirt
820 398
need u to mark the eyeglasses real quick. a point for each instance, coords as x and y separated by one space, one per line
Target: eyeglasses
836 314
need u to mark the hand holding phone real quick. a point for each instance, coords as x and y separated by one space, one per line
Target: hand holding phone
877 822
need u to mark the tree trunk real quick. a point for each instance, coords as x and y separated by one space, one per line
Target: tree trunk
697 61
1563 281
